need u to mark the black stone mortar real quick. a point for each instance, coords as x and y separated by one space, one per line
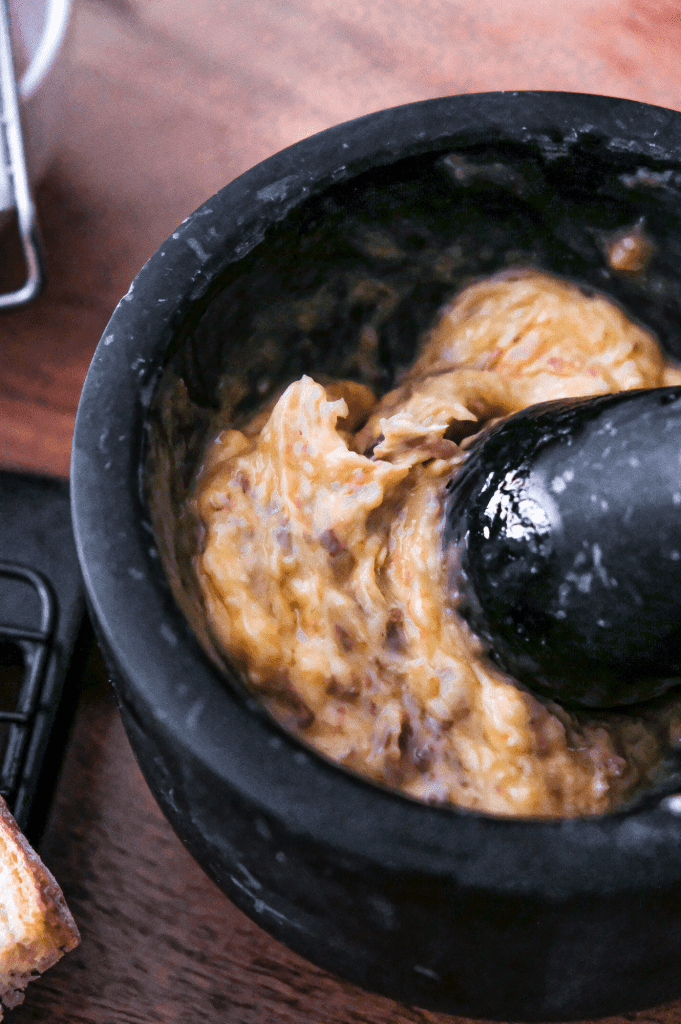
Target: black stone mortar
331 258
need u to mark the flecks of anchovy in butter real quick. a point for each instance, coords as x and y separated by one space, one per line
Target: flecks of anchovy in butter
322 574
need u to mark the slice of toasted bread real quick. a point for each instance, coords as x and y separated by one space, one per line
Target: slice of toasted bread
36 926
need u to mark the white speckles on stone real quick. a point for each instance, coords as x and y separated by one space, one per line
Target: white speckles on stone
675 556
196 247
194 714
584 583
676 498
647 177
597 556
107 339
147 390
128 295
248 243
201 288
250 880
581 580
136 574
176 234
559 483
278 190
280 857
261 907
672 803
385 910
244 888
427 972
168 635
634 462
262 828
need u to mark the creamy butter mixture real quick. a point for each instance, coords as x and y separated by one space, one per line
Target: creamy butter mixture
322 573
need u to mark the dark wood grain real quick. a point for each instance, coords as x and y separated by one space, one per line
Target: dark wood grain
167 101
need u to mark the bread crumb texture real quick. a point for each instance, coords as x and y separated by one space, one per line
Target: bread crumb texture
36 926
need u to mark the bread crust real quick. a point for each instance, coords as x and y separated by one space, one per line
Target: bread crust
36 926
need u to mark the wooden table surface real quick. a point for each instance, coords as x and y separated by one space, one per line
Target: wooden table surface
167 101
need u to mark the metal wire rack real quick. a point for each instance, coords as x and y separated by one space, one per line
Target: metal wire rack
45 642
25 700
